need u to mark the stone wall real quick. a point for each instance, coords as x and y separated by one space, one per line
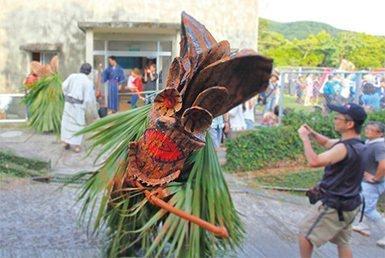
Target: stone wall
56 22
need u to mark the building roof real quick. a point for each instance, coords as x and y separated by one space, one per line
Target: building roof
38 47
121 26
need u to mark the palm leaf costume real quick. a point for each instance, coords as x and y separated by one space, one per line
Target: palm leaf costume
45 100
160 191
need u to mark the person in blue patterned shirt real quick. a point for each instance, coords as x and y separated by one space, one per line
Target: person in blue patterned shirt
114 76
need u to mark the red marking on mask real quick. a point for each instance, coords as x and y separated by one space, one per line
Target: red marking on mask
161 147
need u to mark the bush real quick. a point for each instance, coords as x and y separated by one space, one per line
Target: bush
319 122
263 147
377 116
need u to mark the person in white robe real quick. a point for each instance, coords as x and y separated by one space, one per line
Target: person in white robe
237 119
80 106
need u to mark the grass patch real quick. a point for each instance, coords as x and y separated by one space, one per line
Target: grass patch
12 165
290 102
300 179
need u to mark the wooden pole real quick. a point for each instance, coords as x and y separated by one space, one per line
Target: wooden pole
218 231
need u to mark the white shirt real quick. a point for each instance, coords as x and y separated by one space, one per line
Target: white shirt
237 119
78 86
249 112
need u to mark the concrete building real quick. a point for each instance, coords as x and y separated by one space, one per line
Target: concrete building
91 30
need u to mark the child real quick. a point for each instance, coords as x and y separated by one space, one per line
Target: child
136 86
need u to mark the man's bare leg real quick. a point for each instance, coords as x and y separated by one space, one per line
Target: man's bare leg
344 251
305 247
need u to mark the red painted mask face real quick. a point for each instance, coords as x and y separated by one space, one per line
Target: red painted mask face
159 155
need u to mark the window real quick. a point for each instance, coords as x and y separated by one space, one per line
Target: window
131 45
135 54
98 44
43 57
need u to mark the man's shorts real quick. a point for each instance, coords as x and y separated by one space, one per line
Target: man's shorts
322 225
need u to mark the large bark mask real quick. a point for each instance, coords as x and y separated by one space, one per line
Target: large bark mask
206 81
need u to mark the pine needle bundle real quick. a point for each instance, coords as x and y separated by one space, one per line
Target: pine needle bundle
45 102
135 227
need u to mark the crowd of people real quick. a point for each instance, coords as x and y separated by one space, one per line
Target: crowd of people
135 81
77 88
311 89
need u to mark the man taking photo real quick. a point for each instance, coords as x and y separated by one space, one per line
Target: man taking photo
338 193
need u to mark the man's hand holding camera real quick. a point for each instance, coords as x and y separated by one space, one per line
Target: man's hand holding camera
305 132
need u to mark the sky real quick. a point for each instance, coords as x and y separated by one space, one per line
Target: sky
356 15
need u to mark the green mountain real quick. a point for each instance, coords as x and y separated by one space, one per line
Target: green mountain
300 29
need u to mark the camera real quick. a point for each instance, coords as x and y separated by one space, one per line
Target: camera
315 194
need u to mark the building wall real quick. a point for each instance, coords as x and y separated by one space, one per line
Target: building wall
46 21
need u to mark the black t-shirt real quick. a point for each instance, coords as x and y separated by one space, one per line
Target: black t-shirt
343 179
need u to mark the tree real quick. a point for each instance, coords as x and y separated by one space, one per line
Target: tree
368 51
322 49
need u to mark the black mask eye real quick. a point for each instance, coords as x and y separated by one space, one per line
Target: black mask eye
161 125
164 123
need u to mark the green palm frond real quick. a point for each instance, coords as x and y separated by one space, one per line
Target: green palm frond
45 104
137 228
111 135
205 195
